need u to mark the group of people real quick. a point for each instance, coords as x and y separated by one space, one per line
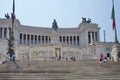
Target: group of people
103 59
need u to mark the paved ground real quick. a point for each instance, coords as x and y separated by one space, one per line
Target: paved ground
60 70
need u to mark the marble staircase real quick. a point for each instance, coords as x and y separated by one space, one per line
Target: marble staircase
59 70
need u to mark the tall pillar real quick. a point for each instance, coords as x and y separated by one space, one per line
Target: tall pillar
44 39
41 40
69 39
61 39
48 39
37 39
72 40
8 32
91 37
94 40
98 36
76 40
65 40
2 33
22 38
29 39
26 39
33 39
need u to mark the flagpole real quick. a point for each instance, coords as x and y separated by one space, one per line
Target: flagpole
13 14
13 18
116 40
11 41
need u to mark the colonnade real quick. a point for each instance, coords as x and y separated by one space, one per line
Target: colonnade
30 39
4 32
92 37
70 40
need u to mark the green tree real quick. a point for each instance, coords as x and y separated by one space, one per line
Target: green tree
11 46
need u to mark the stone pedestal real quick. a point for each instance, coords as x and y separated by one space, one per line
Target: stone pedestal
115 53
55 37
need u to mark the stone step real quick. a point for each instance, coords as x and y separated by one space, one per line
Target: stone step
59 77
60 70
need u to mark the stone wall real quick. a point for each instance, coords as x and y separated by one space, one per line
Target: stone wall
52 51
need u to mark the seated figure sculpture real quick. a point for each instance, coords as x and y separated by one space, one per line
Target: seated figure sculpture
54 25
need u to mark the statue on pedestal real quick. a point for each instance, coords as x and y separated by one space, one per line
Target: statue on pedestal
54 25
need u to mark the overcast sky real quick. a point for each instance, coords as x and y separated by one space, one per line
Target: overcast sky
67 13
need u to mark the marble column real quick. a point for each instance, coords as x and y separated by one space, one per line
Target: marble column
37 40
8 32
69 39
94 37
26 38
61 39
91 37
76 40
33 39
41 40
44 39
22 38
29 39
47 39
98 36
65 40
72 40
2 33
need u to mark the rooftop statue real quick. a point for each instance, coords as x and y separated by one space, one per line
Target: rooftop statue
7 16
89 20
84 20
54 25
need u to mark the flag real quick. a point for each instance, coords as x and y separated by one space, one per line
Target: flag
13 13
113 17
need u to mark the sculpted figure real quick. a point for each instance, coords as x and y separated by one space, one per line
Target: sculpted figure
54 25
7 16
89 20
83 20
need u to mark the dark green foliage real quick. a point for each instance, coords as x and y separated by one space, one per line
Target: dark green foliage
11 46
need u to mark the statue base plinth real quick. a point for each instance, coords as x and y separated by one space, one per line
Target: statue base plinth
115 52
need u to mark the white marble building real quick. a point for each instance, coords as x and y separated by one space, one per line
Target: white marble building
82 42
